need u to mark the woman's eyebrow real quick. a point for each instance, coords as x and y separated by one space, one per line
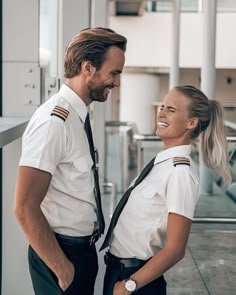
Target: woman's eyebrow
169 107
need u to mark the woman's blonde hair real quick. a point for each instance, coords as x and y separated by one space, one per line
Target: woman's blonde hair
213 142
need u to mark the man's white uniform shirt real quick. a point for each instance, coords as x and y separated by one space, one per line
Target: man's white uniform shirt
62 149
141 228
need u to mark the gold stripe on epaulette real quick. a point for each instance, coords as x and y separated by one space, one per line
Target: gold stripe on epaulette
181 161
60 112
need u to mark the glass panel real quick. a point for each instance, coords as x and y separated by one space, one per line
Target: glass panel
163 6
120 153
226 5
49 45
230 112
189 6
166 6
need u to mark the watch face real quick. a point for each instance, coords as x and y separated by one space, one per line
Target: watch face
130 285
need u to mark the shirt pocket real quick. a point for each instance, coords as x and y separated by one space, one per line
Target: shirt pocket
81 175
152 204
143 201
82 164
148 192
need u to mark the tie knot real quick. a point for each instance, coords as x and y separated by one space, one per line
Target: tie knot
87 119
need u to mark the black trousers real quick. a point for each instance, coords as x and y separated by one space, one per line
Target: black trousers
116 271
84 259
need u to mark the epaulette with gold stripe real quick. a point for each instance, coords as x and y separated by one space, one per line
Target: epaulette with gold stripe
60 112
181 161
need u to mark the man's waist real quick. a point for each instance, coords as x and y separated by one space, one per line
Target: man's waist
77 240
74 225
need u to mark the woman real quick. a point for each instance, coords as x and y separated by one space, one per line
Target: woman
151 233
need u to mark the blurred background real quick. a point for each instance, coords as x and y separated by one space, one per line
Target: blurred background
169 43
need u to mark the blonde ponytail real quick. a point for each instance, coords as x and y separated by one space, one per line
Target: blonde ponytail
214 145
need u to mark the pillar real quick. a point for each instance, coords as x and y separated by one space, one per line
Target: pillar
137 93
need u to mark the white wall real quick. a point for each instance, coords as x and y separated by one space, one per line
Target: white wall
225 90
21 96
21 73
149 39
15 273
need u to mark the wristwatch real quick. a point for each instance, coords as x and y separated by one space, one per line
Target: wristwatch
130 285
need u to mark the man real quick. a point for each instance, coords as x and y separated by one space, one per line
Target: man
57 195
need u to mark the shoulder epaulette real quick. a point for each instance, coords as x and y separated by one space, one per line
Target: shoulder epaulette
60 112
181 161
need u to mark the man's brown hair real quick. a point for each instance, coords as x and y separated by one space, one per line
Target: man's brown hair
90 44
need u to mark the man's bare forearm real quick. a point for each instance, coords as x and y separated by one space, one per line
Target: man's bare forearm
32 186
41 238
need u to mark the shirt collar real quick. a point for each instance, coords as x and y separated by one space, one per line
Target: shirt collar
75 101
177 151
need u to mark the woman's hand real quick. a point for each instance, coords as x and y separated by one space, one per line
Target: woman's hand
119 289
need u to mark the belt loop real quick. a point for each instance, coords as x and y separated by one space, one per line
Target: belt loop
106 258
122 267
94 238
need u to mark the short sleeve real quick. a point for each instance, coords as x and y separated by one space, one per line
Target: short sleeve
182 192
43 145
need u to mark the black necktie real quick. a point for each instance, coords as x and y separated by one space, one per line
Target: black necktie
97 194
122 203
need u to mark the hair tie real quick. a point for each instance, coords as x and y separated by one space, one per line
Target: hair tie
204 125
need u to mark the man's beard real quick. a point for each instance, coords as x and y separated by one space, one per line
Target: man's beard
97 93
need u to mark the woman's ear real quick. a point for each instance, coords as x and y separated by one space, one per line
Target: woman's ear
193 122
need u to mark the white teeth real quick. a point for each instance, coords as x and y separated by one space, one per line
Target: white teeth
162 124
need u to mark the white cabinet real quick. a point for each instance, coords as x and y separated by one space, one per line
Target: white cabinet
21 88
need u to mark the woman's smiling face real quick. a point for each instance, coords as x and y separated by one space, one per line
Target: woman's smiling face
174 124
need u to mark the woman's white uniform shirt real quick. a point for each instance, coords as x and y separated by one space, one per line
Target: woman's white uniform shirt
141 228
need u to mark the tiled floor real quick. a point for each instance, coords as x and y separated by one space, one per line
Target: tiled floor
209 266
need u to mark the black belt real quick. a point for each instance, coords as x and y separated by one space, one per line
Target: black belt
126 262
85 240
